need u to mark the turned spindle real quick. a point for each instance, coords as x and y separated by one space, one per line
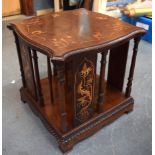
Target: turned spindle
131 73
37 78
19 58
50 78
102 82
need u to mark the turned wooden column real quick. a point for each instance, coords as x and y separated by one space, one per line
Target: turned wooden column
19 58
37 78
50 78
132 67
60 68
102 82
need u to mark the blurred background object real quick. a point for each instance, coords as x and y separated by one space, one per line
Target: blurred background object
138 8
9 10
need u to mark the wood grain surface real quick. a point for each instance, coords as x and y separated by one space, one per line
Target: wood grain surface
65 33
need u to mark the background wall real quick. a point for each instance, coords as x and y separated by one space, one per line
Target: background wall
10 9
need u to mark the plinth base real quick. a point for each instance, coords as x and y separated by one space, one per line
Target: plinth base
115 104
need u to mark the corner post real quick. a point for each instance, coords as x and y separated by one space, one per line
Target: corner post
61 75
132 67
19 55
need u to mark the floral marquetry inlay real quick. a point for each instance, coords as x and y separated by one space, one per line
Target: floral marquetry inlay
60 34
84 87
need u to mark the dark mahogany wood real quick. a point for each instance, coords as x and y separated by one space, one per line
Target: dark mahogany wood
59 35
20 59
117 65
37 78
102 82
75 102
87 4
27 7
82 85
28 69
133 62
49 70
61 75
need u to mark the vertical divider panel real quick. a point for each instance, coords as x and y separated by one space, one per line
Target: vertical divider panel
117 65
84 74
26 58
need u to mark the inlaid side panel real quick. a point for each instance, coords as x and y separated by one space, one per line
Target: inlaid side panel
84 77
28 68
84 90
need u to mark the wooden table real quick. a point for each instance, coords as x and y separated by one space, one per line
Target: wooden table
74 101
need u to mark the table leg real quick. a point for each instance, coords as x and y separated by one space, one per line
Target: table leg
61 75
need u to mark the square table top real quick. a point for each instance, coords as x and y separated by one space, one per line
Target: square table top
65 33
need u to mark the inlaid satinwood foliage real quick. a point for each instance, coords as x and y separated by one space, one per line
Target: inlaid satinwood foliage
84 81
61 34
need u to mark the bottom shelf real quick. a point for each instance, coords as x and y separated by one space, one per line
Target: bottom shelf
50 110
115 104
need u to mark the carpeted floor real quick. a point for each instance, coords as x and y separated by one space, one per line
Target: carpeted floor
24 134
